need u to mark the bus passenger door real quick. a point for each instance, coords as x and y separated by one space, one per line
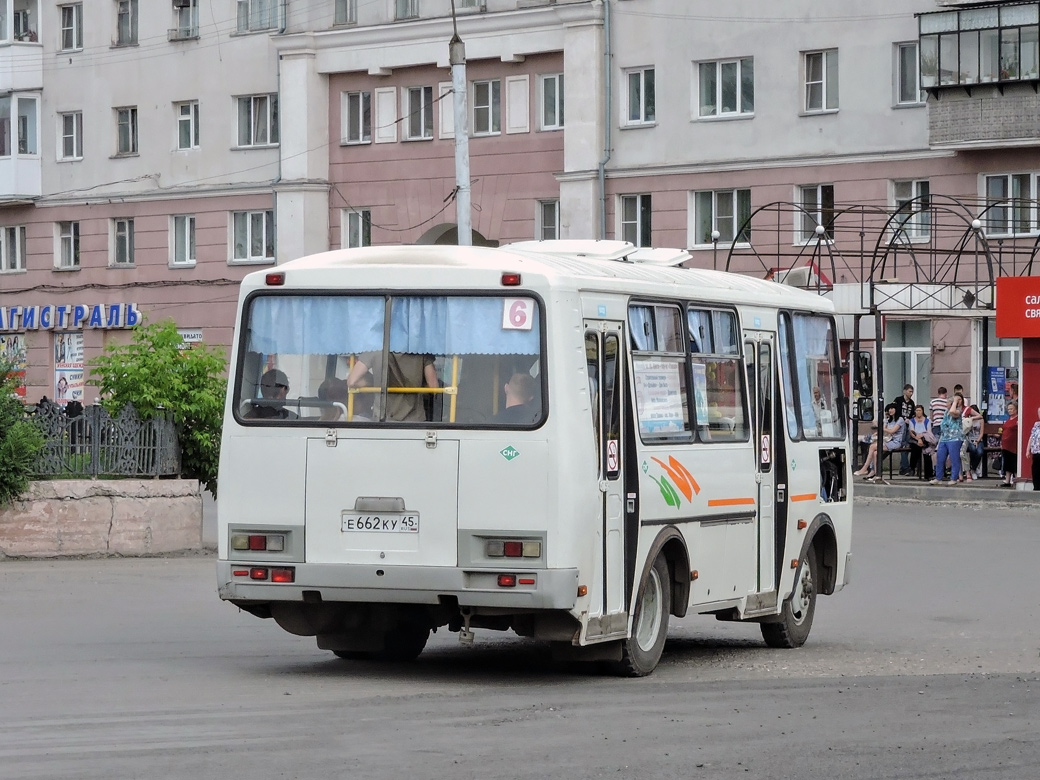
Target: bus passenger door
760 355
605 355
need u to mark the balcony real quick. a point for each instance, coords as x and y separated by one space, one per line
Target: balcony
980 66
21 180
182 34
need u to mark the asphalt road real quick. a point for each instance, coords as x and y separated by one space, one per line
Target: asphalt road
928 665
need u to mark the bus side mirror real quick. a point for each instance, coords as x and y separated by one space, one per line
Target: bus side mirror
865 409
864 373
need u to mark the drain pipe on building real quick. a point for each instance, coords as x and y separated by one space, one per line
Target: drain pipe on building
607 57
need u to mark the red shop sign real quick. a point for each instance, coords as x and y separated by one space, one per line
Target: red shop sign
1018 307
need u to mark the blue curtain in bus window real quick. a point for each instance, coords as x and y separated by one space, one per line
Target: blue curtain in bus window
725 332
639 323
315 325
700 331
463 326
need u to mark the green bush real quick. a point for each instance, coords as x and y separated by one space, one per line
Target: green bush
20 440
157 376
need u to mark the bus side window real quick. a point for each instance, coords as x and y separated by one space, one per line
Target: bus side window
592 363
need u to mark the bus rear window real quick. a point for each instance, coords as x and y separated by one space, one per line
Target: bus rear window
374 359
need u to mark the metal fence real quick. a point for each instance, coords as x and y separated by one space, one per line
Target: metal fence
96 444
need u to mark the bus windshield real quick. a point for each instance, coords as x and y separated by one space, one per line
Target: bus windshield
391 359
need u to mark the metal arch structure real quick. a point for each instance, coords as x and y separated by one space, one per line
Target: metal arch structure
949 269
930 257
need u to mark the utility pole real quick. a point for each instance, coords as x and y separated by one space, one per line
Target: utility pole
463 206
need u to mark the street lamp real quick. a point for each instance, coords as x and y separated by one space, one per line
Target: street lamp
715 236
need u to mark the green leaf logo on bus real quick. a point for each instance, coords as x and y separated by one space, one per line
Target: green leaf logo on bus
685 484
510 452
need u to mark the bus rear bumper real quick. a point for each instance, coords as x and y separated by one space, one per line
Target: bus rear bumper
533 589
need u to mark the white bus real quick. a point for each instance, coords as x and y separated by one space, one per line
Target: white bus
551 437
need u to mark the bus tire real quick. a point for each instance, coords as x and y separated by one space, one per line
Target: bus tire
404 642
352 655
796 616
641 652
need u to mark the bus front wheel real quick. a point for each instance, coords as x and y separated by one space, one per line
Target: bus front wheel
641 652
796 616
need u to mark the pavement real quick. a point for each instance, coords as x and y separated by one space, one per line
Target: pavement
911 488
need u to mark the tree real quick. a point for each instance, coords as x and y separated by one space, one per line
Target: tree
157 375
20 441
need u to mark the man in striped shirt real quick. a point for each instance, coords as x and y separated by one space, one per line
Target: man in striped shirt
937 410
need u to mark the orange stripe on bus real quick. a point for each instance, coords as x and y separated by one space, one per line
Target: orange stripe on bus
730 501
804 497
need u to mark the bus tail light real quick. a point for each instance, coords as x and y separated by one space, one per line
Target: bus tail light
258 573
283 575
258 542
512 548
507 580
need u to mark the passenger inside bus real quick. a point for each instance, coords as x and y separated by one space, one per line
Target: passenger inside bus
274 387
404 371
521 406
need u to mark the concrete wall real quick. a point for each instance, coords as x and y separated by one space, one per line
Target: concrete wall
103 517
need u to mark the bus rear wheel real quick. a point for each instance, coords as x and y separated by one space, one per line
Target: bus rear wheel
796 616
641 652
403 642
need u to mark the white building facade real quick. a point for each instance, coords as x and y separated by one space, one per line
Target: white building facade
157 151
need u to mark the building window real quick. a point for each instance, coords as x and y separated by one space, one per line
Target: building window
68 245
25 132
980 45
256 15
183 240
26 20
345 12
418 109
641 97
357 228
552 101
908 79
547 222
187 124
71 136
1009 202
727 87
126 22
406 9
821 80
12 248
71 27
126 130
487 107
185 20
817 201
357 117
254 236
258 120
122 242
635 219
913 216
725 211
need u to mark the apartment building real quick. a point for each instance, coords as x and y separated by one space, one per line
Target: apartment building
155 152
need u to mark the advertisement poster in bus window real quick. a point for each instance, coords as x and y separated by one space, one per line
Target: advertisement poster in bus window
659 398
700 393
69 374
12 352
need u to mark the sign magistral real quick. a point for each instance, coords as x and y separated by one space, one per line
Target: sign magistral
1018 307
